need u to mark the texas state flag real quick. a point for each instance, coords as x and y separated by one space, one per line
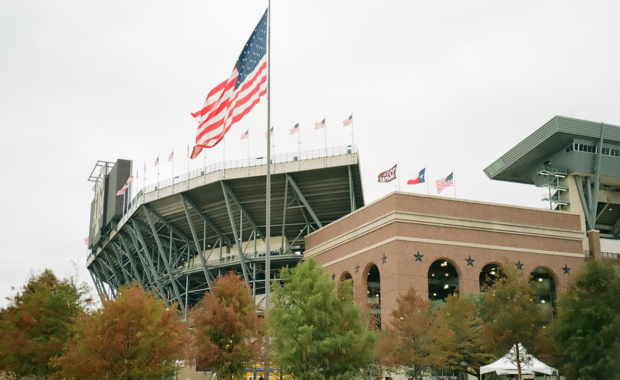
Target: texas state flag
420 179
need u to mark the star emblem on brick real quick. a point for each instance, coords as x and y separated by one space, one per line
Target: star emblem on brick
357 268
519 265
333 276
384 259
470 261
566 269
418 257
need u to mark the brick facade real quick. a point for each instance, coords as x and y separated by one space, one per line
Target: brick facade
467 234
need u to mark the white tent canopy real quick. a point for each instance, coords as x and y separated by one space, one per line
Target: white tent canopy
505 365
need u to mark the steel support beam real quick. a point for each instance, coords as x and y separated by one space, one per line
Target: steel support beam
147 254
132 262
120 263
146 269
284 212
205 218
584 203
171 273
243 210
200 254
597 177
234 230
303 200
108 263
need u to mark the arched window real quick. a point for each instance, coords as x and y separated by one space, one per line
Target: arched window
374 294
488 275
347 276
443 279
545 287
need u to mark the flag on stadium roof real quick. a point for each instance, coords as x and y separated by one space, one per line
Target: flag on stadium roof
420 179
271 132
244 135
157 161
295 129
320 124
348 121
232 99
444 182
171 156
129 180
388 175
120 192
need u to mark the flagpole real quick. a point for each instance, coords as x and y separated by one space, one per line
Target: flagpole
352 142
157 176
426 178
454 181
298 145
268 189
173 170
398 174
204 165
187 169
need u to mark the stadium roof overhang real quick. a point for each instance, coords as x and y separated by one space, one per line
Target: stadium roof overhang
518 163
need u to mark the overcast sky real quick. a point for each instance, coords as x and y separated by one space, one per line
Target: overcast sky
448 85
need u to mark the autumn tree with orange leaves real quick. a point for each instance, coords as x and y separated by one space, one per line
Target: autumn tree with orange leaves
416 338
226 328
34 325
132 337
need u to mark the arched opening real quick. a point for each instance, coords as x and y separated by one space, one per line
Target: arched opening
443 280
545 287
374 294
488 275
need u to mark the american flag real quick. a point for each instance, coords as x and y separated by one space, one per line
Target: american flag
245 134
295 129
120 192
348 121
235 97
157 161
320 124
171 156
129 180
270 130
444 182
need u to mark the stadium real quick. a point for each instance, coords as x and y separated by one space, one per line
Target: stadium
176 236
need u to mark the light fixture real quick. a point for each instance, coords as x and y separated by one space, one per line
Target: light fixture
543 301
540 280
432 274
493 272
434 294
446 275
446 286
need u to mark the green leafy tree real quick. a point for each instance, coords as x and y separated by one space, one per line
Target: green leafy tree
132 337
226 328
317 331
512 316
416 338
587 328
34 326
462 316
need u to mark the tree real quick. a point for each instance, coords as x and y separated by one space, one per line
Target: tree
317 331
416 337
34 326
587 328
226 328
132 337
463 318
511 315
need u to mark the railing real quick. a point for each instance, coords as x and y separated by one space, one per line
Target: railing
235 164
611 255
